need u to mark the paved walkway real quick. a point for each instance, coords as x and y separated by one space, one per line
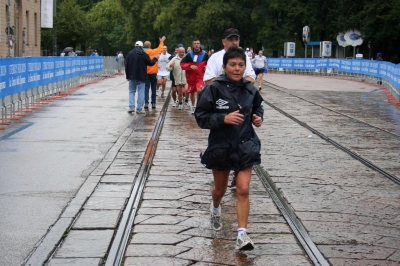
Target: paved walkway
353 222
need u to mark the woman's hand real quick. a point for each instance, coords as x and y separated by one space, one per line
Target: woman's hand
257 121
234 118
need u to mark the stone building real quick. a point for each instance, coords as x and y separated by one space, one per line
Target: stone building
24 25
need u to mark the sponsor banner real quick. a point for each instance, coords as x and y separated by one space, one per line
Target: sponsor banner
24 73
379 69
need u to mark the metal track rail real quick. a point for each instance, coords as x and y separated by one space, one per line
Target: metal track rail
279 88
353 154
120 241
297 227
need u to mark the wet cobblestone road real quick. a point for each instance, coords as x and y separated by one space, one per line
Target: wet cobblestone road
175 211
351 212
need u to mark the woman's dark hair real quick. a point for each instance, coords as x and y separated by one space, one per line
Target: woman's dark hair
234 52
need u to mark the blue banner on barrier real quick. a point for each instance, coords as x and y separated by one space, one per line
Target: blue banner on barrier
379 69
24 73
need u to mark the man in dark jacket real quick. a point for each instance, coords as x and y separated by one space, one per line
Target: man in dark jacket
136 71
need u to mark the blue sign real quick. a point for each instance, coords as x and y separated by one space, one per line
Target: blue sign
24 73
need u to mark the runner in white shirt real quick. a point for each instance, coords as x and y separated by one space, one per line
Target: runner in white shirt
214 65
260 67
163 73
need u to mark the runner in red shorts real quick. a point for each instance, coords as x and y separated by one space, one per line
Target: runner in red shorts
194 64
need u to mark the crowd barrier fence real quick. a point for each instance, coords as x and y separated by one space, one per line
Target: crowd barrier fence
376 72
27 83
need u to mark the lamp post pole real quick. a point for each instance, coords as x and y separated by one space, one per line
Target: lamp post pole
8 28
54 28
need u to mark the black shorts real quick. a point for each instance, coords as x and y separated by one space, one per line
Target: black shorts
171 77
259 71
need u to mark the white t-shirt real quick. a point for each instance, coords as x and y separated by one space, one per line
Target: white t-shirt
259 61
248 54
162 65
214 67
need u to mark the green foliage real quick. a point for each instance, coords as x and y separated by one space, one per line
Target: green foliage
107 23
71 24
116 25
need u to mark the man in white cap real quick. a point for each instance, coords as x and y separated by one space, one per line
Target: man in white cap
136 70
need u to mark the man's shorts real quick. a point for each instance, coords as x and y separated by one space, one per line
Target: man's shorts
193 87
162 77
260 70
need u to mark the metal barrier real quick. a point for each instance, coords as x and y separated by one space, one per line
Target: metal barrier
19 104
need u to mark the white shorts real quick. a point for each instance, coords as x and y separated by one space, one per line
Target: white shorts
163 77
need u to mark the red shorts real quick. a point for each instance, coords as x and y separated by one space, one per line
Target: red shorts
193 87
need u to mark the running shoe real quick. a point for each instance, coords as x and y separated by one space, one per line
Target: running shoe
193 109
216 223
180 107
131 111
153 105
146 106
243 242
259 88
174 104
141 112
162 95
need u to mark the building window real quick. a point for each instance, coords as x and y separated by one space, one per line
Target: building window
35 28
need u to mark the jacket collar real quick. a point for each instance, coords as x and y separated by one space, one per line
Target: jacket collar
242 83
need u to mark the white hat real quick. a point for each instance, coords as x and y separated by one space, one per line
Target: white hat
139 43
247 49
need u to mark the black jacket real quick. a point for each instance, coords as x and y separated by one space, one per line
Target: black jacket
136 64
229 147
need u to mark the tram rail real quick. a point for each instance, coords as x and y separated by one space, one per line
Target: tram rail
338 145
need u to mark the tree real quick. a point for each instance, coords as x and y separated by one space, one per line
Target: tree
71 24
107 23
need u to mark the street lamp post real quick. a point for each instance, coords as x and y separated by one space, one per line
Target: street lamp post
8 28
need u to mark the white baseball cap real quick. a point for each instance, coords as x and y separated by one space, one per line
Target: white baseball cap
139 43
247 49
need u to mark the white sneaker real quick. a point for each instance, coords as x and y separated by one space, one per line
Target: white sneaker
174 104
193 109
180 107
216 223
243 242
141 112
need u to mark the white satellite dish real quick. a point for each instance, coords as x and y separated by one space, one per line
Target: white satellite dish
353 37
341 40
306 34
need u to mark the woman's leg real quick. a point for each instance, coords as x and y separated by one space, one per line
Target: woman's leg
260 79
242 193
220 185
